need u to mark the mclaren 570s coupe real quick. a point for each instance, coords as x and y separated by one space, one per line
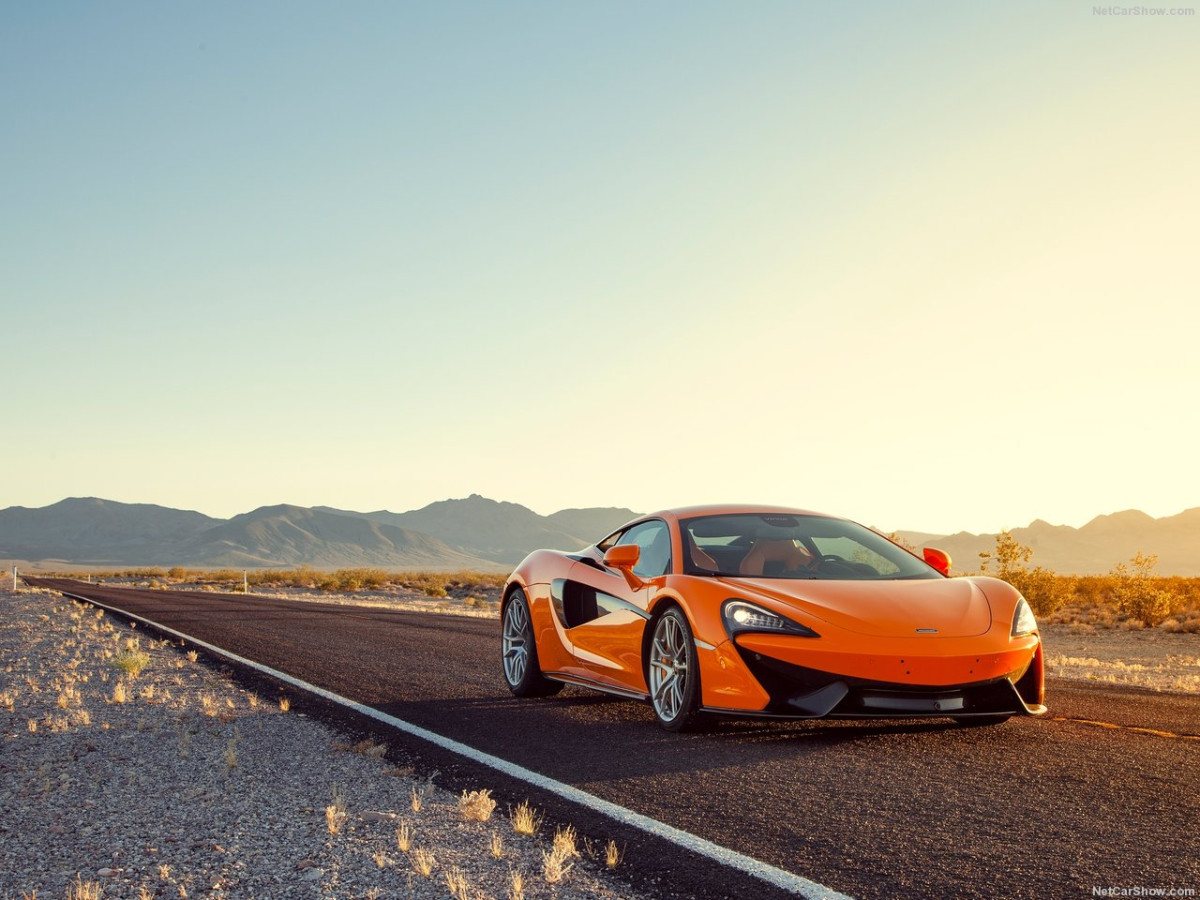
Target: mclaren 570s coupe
767 611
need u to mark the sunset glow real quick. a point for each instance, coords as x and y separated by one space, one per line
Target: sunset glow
930 266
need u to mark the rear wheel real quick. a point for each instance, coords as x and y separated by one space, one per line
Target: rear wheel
519 651
672 672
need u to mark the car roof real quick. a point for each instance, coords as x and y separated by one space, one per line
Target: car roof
727 509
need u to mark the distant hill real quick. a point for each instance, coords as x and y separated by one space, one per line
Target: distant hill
295 536
593 523
1093 549
87 529
504 532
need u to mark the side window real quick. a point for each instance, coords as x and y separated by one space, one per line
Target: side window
609 541
655 542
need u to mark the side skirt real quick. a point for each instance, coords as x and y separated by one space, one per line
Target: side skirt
579 681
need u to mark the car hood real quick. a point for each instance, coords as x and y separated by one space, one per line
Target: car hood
955 607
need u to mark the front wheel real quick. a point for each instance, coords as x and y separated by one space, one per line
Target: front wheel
519 651
673 674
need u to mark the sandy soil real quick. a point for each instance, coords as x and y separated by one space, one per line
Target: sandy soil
1149 657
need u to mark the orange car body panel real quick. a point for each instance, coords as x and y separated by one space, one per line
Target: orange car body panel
868 629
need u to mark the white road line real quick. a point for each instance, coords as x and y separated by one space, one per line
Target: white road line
777 877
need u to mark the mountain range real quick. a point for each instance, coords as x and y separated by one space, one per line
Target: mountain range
479 533
473 533
1092 549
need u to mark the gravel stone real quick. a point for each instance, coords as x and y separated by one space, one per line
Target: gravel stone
179 783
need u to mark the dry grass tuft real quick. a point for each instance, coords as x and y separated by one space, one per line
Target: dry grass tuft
231 754
369 749
476 806
285 704
404 837
516 886
131 662
457 884
613 855
565 842
555 867
557 863
335 812
422 862
525 819
497 845
83 890
419 793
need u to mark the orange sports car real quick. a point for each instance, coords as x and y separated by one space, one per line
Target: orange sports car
766 611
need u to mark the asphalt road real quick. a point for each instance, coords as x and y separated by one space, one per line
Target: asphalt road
1046 808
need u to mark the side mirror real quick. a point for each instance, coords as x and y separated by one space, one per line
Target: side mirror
939 559
623 558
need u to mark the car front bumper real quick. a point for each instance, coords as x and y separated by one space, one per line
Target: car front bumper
955 678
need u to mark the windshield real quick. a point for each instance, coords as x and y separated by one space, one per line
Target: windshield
784 546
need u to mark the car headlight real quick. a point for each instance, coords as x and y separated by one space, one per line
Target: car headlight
741 616
1023 620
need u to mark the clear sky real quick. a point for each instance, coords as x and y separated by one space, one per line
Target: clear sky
928 265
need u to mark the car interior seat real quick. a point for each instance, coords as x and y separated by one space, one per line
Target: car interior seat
771 557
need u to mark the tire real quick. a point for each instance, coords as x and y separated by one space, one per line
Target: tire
518 651
672 672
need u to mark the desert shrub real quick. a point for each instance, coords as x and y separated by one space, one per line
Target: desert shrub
1186 592
152 572
1138 594
442 584
1092 590
222 575
303 577
1044 590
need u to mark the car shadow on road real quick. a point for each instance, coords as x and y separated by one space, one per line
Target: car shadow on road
581 737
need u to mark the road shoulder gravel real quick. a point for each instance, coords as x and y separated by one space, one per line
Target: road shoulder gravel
178 782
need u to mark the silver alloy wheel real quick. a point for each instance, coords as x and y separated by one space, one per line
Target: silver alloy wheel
669 656
516 637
